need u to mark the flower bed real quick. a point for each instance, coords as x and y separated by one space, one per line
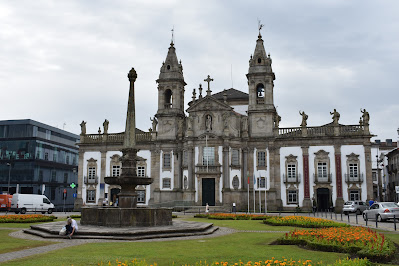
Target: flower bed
270 262
361 241
231 216
302 221
26 218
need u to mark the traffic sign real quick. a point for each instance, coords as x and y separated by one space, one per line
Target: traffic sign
74 195
73 185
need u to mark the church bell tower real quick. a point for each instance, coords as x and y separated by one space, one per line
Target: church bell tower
171 84
261 109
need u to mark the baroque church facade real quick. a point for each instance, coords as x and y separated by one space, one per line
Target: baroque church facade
228 148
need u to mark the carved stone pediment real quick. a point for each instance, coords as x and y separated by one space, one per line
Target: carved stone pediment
322 154
92 160
115 158
291 158
353 157
208 103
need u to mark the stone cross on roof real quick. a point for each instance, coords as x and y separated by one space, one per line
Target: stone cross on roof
208 92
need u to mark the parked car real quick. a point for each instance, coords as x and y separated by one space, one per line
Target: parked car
30 202
382 211
354 207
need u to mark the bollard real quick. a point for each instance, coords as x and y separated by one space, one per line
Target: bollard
356 218
341 217
335 216
349 219
376 221
366 218
279 213
314 214
394 222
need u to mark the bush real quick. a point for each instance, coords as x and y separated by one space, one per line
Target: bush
360 241
75 216
302 221
26 218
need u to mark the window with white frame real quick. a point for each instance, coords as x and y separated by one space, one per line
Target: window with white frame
353 170
166 183
91 196
140 196
116 170
235 157
166 160
354 195
208 156
261 182
141 171
322 170
261 158
292 196
92 172
46 156
291 171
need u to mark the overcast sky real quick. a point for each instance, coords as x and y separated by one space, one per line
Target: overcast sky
62 62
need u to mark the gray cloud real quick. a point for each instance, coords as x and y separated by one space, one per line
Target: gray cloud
62 62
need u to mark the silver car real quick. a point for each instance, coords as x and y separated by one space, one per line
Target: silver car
382 211
354 207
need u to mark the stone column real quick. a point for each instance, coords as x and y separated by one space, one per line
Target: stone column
79 197
306 181
191 174
103 174
244 177
369 177
275 177
178 168
226 172
338 171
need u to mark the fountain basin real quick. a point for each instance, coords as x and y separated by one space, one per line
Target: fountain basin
123 217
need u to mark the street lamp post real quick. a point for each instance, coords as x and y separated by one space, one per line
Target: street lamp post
9 178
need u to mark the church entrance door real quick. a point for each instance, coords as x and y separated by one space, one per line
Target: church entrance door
208 191
323 199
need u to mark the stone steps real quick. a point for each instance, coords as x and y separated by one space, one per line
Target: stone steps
178 229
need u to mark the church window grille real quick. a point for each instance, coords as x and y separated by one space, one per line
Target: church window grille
91 196
322 170
116 170
354 195
261 158
140 196
208 156
235 157
166 160
166 183
292 196
141 171
261 182
236 182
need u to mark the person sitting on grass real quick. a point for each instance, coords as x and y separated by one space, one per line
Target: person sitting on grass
71 227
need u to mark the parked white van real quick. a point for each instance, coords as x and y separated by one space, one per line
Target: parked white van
31 203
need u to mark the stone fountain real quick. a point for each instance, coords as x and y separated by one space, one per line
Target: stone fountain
127 213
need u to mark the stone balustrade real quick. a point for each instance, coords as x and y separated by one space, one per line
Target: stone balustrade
330 130
114 138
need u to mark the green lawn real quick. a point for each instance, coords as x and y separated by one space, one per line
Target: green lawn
232 248
10 244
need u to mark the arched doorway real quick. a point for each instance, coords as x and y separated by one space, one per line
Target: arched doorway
323 199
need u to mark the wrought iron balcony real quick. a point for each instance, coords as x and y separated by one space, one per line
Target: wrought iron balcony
292 179
326 178
353 178
91 180
204 169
